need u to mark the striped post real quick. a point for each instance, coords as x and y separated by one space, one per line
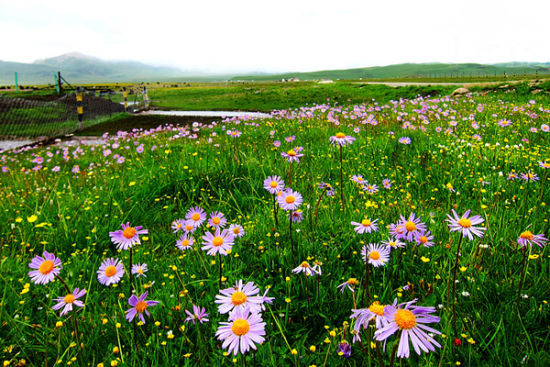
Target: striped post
125 94
79 107
145 99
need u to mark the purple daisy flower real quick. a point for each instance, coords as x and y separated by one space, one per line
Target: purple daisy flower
244 330
178 225
410 320
466 225
48 267
529 176
217 220
297 216
68 301
127 237
425 239
375 254
197 215
412 227
344 349
199 314
405 140
341 139
393 243
366 226
274 184
358 179
544 165
218 242
140 270
386 183
289 199
139 306
370 188
293 155
363 316
237 230
240 296
185 242
110 271
349 284
528 238
305 268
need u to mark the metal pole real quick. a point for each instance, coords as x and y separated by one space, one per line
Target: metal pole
79 108
125 94
56 83
16 84
59 82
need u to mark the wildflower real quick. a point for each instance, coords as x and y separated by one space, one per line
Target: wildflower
139 270
297 216
375 254
110 271
386 183
344 349
217 220
370 188
545 128
412 227
178 225
528 238
243 330
466 225
293 155
217 242
544 165
358 179
529 176
199 314
405 140
234 133
274 184
290 138
425 239
349 284
512 176
237 230
366 226
240 296
317 267
449 187
127 237
277 143
197 215
397 230
504 123
289 199
305 268
393 243
139 306
68 301
341 139
48 267
409 320
363 316
189 226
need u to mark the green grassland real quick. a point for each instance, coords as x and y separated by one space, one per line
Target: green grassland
460 157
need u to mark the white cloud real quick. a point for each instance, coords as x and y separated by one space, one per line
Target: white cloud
277 35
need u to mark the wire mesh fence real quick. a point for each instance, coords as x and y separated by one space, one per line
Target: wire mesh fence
50 115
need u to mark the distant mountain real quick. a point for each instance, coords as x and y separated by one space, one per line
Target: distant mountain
79 68
412 70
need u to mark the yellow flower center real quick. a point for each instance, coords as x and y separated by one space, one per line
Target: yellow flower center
304 264
217 241
238 298
377 308
546 165
374 255
216 220
236 230
359 178
399 229
188 227
465 223
410 226
110 270
240 327
178 225
340 135
405 319
527 235
140 270
129 232
46 267
290 199
530 175
393 244
196 216
423 239
366 222
141 306
69 298
273 184
353 281
185 243
291 153
234 133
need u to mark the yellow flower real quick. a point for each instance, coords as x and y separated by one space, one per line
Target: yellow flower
471 341
294 352
425 259
288 300
32 218
463 268
532 257
313 348
332 333
114 363
116 350
59 324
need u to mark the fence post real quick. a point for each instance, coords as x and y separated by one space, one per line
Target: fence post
16 84
145 99
79 107
125 94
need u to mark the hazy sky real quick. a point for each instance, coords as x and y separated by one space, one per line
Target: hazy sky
277 35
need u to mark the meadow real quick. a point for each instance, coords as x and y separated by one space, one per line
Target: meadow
427 215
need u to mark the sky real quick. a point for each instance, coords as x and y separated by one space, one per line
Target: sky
235 36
